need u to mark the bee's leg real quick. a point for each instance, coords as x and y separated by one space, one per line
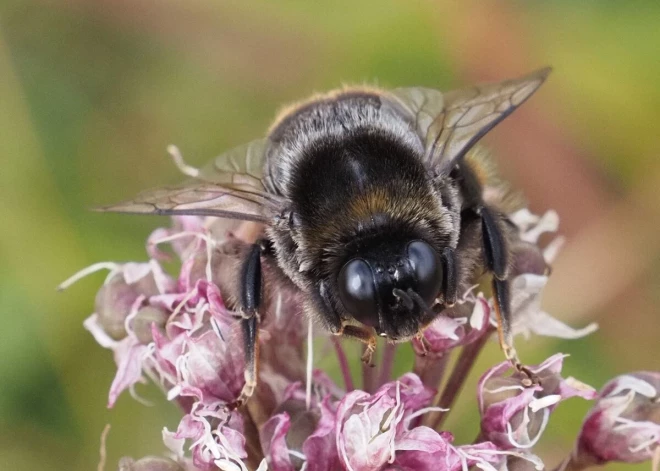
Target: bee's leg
425 344
365 335
250 301
450 277
339 327
495 247
497 261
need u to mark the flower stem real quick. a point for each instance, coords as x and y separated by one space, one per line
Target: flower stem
575 463
431 369
387 362
252 446
343 364
459 374
102 449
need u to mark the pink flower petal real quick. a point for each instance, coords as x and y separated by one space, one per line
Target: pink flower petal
128 356
320 448
214 369
624 424
273 439
513 416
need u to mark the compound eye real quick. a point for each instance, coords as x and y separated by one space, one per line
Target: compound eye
358 292
426 265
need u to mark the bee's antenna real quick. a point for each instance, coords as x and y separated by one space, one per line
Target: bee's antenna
420 302
400 294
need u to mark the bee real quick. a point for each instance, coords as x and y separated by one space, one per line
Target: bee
371 207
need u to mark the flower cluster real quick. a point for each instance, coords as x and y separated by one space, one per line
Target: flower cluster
183 335
624 425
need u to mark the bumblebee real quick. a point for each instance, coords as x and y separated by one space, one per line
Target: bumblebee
370 207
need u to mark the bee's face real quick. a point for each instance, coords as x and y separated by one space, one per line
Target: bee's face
390 287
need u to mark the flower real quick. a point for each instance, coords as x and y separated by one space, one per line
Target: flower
459 325
425 449
182 333
624 424
472 316
298 435
530 275
122 315
513 416
371 427
217 438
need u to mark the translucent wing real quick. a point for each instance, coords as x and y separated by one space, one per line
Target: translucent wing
230 186
241 165
451 123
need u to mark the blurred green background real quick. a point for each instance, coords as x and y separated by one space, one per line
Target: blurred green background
91 92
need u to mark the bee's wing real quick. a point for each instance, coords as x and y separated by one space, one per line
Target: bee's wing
241 165
451 123
230 186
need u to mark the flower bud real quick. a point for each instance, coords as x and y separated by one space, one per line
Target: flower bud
116 298
624 424
527 258
145 318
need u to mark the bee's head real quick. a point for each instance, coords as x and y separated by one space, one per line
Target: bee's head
391 286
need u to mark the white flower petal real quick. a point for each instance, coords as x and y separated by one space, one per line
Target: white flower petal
546 325
627 382
175 445
549 222
547 401
94 328
477 317
524 219
552 249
